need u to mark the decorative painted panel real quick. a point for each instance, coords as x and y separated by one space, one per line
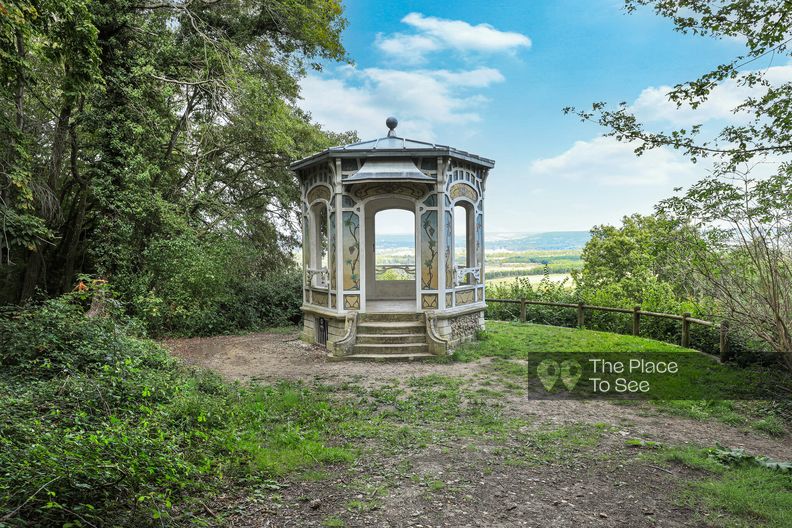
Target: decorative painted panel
449 300
465 297
449 241
331 237
413 190
428 301
351 302
461 190
320 191
351 248
480 241
306 247
319 298
429 250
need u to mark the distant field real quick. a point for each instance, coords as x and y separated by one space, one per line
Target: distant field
533 279
504 265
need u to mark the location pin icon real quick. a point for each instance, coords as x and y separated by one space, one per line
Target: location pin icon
548 372
570 373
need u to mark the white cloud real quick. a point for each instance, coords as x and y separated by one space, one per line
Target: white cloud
411 48
606 161
653 104
362 99
435 34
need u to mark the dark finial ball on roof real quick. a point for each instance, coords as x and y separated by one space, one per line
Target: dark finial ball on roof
391 122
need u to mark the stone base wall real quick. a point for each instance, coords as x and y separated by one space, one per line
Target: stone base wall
458 329
336 327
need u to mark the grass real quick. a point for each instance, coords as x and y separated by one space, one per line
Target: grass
750 495
97 427
702 389
512 340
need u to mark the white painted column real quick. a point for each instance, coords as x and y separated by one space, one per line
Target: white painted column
441 239
338 188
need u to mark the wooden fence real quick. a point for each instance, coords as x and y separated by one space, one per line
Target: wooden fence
636 313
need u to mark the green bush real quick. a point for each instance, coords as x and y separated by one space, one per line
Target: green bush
209 287
98 427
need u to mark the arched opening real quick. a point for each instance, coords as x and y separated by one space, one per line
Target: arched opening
390 254
394 245
319 251
464 254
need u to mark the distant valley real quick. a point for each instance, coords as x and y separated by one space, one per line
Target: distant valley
548 241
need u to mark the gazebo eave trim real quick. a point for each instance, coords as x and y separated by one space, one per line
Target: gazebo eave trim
341 153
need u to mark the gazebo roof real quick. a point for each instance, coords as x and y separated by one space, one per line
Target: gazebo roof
375 170
391 146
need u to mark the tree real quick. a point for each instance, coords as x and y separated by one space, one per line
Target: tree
124 123
737 244
641 246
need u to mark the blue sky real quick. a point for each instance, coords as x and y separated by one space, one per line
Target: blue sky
492 78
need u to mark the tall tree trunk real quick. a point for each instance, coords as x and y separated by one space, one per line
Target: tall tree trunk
59 146
33 272
72 238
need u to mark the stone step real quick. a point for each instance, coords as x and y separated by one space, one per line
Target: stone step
390 339
388 357
383 328
390 317
405 348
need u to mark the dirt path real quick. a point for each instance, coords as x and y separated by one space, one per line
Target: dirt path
274 357
476 484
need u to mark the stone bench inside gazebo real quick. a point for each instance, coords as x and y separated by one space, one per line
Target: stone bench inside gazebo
439 302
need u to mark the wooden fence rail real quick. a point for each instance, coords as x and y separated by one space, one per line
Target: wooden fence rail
636 313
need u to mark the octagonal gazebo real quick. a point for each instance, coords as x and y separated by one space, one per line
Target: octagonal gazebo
349 304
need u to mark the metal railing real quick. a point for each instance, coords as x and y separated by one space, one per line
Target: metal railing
317 278
460 274
636 313
400 271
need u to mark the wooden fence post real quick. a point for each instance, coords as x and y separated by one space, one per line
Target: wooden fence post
522 310
685 330
636 326
580 316
724 341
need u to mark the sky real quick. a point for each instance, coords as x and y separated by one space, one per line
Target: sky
492 78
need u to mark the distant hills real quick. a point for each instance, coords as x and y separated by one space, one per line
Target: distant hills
551 240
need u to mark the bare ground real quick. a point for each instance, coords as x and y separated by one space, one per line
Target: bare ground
478 483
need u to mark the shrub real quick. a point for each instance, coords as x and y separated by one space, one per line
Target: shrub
207 287
98 427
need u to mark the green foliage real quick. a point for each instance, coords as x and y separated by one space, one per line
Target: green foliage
101 428
738 456
736 245
212 286
128 134
635 264
636 249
